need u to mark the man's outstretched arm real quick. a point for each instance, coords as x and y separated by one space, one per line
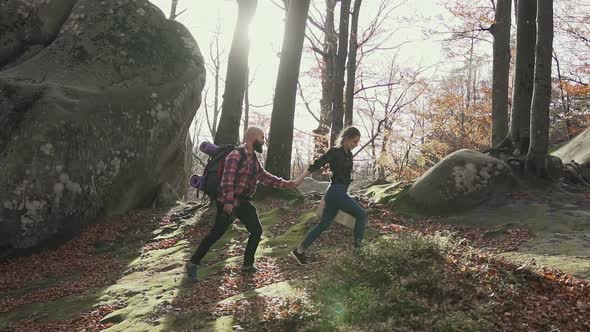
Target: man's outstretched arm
271 180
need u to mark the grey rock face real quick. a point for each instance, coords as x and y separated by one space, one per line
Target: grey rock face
97 100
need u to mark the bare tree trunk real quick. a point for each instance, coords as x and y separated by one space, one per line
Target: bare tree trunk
216 62
518 136
321 134
501 70
374 155
470 93
235 82
564 101
247 103
173 6
382 174
340 67
351 67
537 157
278 160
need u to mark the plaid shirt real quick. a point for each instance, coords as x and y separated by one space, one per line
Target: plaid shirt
241 182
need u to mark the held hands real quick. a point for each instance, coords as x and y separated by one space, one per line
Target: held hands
292 184
298 182
228 208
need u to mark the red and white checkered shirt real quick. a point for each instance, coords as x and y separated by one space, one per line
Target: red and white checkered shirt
250 172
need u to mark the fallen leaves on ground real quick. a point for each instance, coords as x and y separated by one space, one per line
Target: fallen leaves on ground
520 195
230 281
523 300
87 321
493 239
75 266
162 244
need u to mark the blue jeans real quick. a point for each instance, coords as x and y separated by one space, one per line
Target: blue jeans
336 199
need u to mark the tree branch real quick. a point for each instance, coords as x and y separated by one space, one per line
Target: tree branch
305 102
381 122
363 88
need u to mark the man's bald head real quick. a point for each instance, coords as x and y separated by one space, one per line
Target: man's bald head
253 134
254 139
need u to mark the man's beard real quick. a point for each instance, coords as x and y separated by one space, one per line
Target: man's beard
257 147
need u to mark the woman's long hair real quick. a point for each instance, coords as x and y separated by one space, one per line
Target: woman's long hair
347 133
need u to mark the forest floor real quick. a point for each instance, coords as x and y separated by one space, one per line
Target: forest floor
527 260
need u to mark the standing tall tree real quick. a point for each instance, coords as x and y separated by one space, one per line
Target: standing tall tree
340 68
351 67
500 30
518 137
215 69
173 6
278 159
328 59
536 160
236 77
247 103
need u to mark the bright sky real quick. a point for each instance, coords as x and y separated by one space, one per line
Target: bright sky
202 17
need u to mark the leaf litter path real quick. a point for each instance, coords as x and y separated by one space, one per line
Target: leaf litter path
128 273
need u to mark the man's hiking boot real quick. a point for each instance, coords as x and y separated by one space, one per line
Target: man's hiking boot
299 257
191 269
249 268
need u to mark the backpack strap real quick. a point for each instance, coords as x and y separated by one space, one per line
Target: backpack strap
256 165
240 162
242 156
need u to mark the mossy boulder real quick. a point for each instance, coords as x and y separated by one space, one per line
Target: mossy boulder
462 180
97 117
578 150
576 158
28 26
311 185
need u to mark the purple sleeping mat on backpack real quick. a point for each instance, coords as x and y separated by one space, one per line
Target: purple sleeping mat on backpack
208 148
198 182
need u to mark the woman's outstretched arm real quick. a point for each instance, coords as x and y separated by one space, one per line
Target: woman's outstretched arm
317 164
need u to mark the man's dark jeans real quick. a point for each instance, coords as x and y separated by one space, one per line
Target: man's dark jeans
247 214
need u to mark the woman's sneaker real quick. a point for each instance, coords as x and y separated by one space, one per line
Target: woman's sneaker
299 257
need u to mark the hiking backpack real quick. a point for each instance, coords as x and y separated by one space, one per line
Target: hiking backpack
214 169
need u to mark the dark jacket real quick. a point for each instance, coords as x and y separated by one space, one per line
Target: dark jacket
340 161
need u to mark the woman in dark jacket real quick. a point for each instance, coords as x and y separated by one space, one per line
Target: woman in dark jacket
336 197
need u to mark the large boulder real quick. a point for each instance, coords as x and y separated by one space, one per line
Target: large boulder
577 150
28 26
576 158
310 185
97 100
461 180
